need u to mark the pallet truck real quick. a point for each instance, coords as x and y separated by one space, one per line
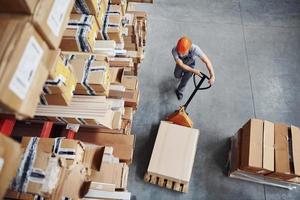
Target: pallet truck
180 116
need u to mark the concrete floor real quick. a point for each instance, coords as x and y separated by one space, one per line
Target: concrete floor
255 49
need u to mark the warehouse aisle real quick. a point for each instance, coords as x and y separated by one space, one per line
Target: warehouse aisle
254 46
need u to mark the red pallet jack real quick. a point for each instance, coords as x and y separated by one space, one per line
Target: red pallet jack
180 116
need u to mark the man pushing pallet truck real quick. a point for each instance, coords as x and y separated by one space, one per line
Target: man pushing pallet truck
176 142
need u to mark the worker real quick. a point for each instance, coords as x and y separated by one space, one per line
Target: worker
185 53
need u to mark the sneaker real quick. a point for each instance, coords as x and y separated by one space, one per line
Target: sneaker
178 94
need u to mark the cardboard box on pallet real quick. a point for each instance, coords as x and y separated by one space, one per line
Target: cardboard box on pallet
287 142
10 155
174 153
51 18
80 34
18 6
71 150
257 146
24 66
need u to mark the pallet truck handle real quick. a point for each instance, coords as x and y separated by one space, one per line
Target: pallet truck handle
197 87
203 77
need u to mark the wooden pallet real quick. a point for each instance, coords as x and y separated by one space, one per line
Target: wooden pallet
166 183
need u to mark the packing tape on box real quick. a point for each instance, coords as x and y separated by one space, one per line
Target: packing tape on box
69 58
104 34
81 7
21 181
67 153
38 197
84 81
83 26
43 100
81 121
61 119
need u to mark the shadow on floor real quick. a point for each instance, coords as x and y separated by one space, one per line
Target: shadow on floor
143 153
221 155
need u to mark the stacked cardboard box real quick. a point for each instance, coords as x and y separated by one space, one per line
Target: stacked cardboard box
59 88
56 168
91 81
30 30
10 155
266 152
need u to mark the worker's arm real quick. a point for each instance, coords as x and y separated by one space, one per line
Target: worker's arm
187 68
210 69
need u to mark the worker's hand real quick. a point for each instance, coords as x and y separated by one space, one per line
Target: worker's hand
212 80
196 72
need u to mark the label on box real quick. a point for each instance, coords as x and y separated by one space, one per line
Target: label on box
1 164
57 15
25 72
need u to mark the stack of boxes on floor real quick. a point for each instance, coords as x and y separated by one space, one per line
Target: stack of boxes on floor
72 61
266 153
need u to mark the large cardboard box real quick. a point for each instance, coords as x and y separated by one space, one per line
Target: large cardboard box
10 155
123 145
61 83
71 150
252 146
23 66
80 34
50 18
18 6
92 75
284 150
174 152
112 28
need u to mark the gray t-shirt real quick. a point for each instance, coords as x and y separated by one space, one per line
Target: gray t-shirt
190 58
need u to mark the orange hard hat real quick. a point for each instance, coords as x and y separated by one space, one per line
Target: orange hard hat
183 45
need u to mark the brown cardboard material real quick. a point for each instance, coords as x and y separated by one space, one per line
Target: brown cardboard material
116 174
252 146
73 149
235 159
295 131
123 144
50 19
111 29
174 152
23 66
10 155
120 62
116 74
80 34
131 98
75 183
116 91
283 168
268 146
93 155
18 6
91 5
130 82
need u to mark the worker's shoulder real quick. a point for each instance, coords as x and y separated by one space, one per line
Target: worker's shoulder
195 47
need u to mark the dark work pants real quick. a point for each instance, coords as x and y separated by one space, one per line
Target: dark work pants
184 75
